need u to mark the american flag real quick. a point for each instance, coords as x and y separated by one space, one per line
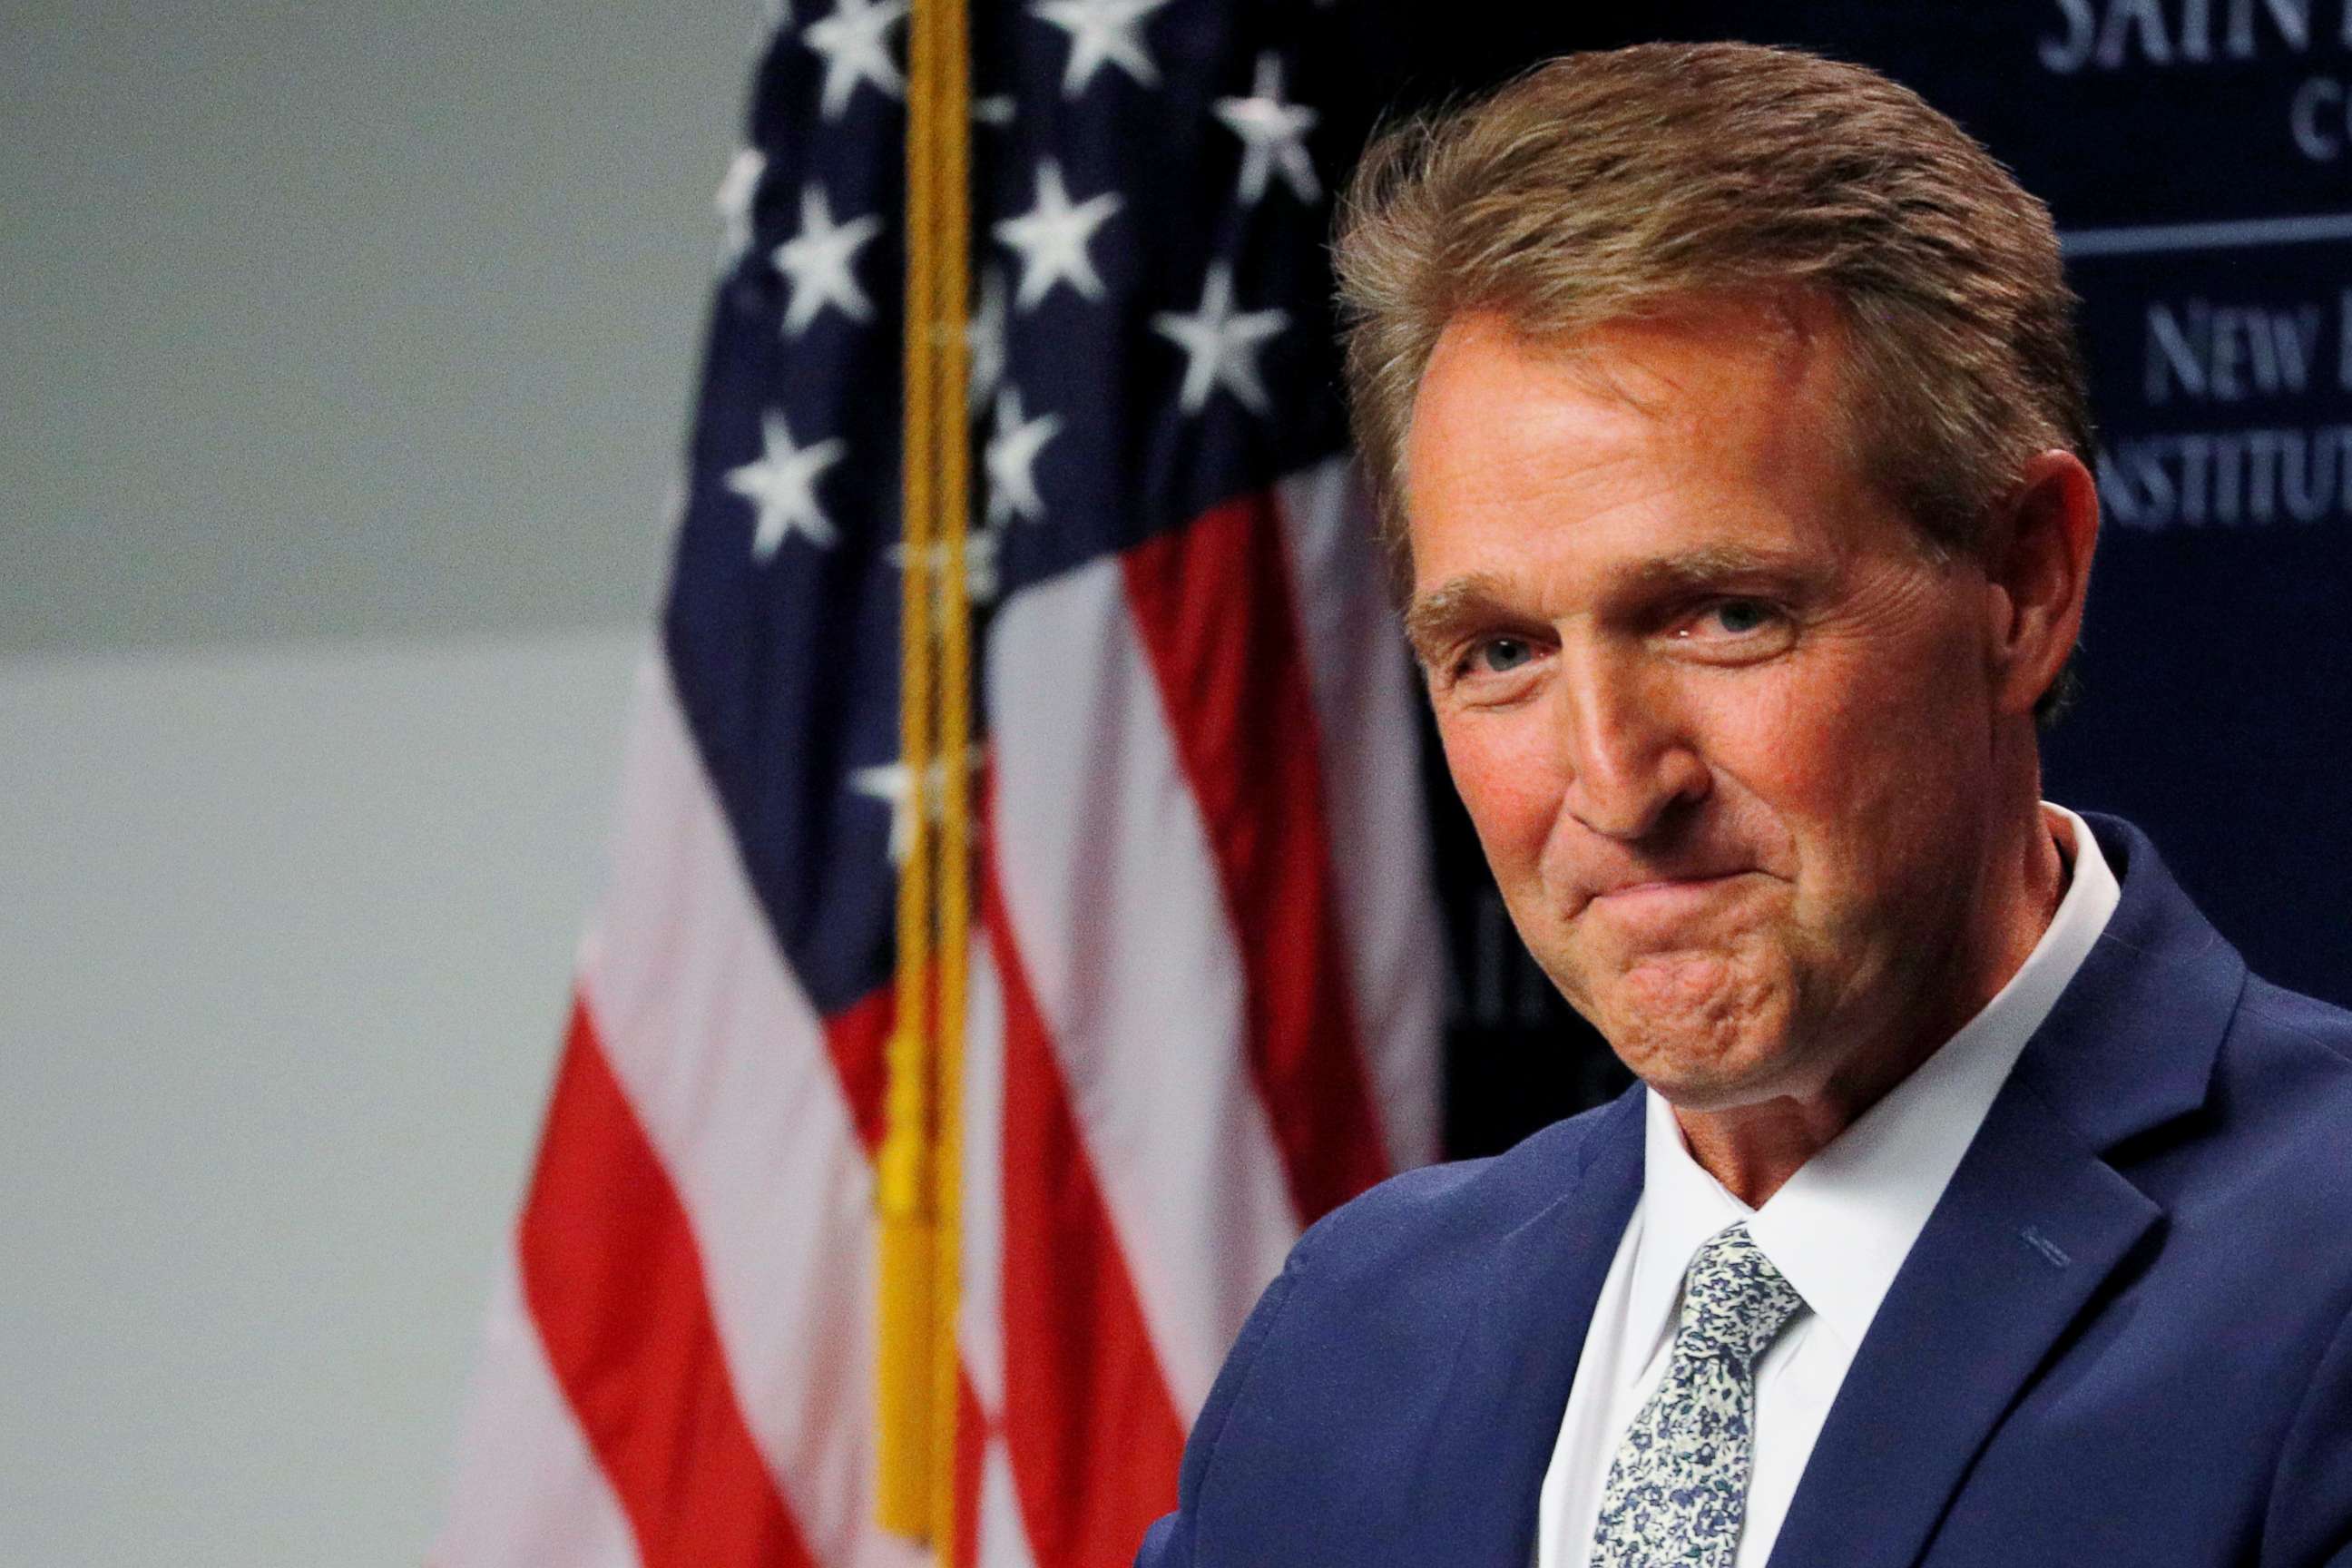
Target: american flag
1206 977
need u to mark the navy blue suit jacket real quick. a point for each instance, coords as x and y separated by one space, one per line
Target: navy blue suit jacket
2124 1336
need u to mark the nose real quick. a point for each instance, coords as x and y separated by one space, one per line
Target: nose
1628 758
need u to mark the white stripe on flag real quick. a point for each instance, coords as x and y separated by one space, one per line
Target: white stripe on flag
1004 1541
1364 707
724 1059
1120 920
527 1488
1097 831
980 1328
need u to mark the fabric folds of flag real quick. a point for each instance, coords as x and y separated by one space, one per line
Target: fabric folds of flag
1205 982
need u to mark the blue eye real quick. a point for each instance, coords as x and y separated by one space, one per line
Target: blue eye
1741 616
1500 656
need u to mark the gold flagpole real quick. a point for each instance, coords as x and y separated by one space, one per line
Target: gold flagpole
918 1186
951 91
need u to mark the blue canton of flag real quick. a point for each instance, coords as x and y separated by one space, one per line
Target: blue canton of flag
1151 335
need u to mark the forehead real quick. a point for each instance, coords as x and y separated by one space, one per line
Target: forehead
1720 423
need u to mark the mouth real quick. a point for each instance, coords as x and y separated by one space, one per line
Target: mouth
1665 899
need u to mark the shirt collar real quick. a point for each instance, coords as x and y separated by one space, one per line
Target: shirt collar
1840 1228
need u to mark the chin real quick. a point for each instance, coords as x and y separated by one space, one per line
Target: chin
1706 1030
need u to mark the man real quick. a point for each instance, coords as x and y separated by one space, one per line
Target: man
1977 1207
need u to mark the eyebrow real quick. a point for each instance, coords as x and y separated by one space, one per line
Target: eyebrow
1436 617
1718 566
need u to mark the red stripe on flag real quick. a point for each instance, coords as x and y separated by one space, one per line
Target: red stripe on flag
1214 611
972 1449
613 1279
1089 1426
859 1039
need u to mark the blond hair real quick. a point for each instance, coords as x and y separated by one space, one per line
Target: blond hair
1607 187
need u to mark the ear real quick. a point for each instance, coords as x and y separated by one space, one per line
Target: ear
2037 564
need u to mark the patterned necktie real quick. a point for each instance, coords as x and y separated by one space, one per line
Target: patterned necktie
1678 1492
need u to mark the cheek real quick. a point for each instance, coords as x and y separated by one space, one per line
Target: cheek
1505 782
1781 758
1863 771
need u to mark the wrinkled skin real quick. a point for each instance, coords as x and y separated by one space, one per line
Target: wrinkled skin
1756 773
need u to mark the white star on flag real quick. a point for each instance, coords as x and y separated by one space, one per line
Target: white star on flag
1219 345
893 783
855 50
781 485
1102 32
984 341
1052 237
1012 459
816 262
1274 135
980 581
736 195
995 110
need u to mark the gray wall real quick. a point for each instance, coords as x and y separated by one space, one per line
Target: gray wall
344 353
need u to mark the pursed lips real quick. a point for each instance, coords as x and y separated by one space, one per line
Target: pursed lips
1662 892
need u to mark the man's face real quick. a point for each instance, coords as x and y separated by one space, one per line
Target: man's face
1724 731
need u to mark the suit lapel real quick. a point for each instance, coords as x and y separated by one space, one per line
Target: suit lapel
2035 1221
1473 1497
2032 1226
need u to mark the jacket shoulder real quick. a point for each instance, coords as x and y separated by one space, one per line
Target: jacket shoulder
1363 1320
2281 1098
1443 1215
2294 1017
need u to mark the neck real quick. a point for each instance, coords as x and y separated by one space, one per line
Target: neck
1754 1149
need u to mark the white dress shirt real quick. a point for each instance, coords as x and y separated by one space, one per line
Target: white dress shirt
1838 1231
